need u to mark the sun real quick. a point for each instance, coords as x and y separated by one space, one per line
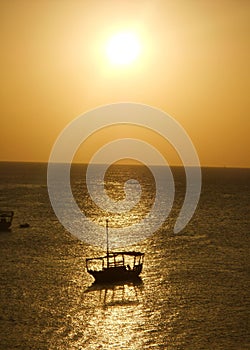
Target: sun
123 48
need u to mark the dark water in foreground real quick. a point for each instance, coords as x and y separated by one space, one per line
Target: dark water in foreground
195 285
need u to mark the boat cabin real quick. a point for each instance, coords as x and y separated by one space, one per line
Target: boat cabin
116 266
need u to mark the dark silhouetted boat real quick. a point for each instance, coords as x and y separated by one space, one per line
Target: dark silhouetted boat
115 266
25 225
6 217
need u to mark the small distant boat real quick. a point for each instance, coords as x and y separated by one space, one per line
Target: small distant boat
114 266
6 217
25 225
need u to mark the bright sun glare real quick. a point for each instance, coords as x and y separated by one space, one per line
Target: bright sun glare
123 48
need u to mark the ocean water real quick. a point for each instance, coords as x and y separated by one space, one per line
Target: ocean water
194 292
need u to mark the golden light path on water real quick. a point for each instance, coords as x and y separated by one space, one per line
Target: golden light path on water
193 293
122 316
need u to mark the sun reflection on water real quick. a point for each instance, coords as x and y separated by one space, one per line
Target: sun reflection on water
118 316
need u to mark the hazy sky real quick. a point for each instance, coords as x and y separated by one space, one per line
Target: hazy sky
194 64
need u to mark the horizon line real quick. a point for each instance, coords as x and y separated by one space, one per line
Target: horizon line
130 164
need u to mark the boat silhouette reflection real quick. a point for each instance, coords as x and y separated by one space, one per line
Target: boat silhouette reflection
118 293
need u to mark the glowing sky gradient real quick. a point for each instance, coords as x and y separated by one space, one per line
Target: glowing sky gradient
193 64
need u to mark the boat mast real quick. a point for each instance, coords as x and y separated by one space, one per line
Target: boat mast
107 234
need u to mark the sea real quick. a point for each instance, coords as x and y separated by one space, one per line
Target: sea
194 287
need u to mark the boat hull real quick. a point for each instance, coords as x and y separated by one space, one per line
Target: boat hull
116 274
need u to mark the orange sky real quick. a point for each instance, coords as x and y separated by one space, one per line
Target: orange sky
194 65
